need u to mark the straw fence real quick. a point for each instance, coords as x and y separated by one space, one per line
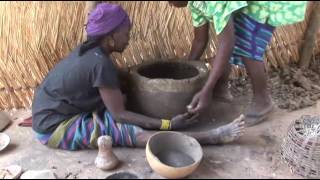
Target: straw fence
34 36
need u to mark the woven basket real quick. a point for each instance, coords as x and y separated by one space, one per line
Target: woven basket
301 147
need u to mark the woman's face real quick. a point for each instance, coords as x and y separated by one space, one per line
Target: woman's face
118 40
121 38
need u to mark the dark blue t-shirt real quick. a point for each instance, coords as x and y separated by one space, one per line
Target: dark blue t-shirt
71 88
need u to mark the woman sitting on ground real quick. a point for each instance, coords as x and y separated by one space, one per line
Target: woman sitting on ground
80 99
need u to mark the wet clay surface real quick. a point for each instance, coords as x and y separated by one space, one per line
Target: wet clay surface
160 104
291 88
175 158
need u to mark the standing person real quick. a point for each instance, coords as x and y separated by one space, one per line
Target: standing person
244 29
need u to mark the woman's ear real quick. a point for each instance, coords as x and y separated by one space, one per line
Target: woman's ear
109 43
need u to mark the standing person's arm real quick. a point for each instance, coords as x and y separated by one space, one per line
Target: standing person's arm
226 40
200 41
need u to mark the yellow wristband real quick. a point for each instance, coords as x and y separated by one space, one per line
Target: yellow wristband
165 124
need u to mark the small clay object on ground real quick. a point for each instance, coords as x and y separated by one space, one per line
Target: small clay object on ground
4 121
10 172
4 141
106 159
43 174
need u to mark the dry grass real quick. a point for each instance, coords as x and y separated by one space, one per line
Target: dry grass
34 36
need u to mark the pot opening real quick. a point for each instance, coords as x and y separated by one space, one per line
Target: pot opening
168 70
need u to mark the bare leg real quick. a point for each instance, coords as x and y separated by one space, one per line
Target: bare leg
221 90
261 102
221 135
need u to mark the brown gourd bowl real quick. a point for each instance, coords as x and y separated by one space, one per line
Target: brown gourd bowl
177 142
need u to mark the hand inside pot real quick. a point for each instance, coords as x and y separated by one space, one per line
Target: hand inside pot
183 121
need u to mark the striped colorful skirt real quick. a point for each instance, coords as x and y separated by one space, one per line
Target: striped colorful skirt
82 132
252 39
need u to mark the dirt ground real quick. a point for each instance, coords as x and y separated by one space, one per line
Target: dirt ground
291 88
255 155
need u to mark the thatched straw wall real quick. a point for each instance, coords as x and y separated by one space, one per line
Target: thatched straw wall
34 36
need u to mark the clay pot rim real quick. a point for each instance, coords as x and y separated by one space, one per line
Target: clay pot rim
196 163
200 66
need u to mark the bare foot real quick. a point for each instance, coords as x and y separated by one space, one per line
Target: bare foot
258 112
260 105
228 133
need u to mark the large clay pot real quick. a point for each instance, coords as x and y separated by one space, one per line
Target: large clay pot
163 89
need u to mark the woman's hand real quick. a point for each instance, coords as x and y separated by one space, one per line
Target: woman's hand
183 121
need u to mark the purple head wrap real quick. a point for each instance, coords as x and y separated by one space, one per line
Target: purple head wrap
106 18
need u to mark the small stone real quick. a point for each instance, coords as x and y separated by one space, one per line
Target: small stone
11 172
150 171
43 174
189 107
318 106
215 162
67 175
